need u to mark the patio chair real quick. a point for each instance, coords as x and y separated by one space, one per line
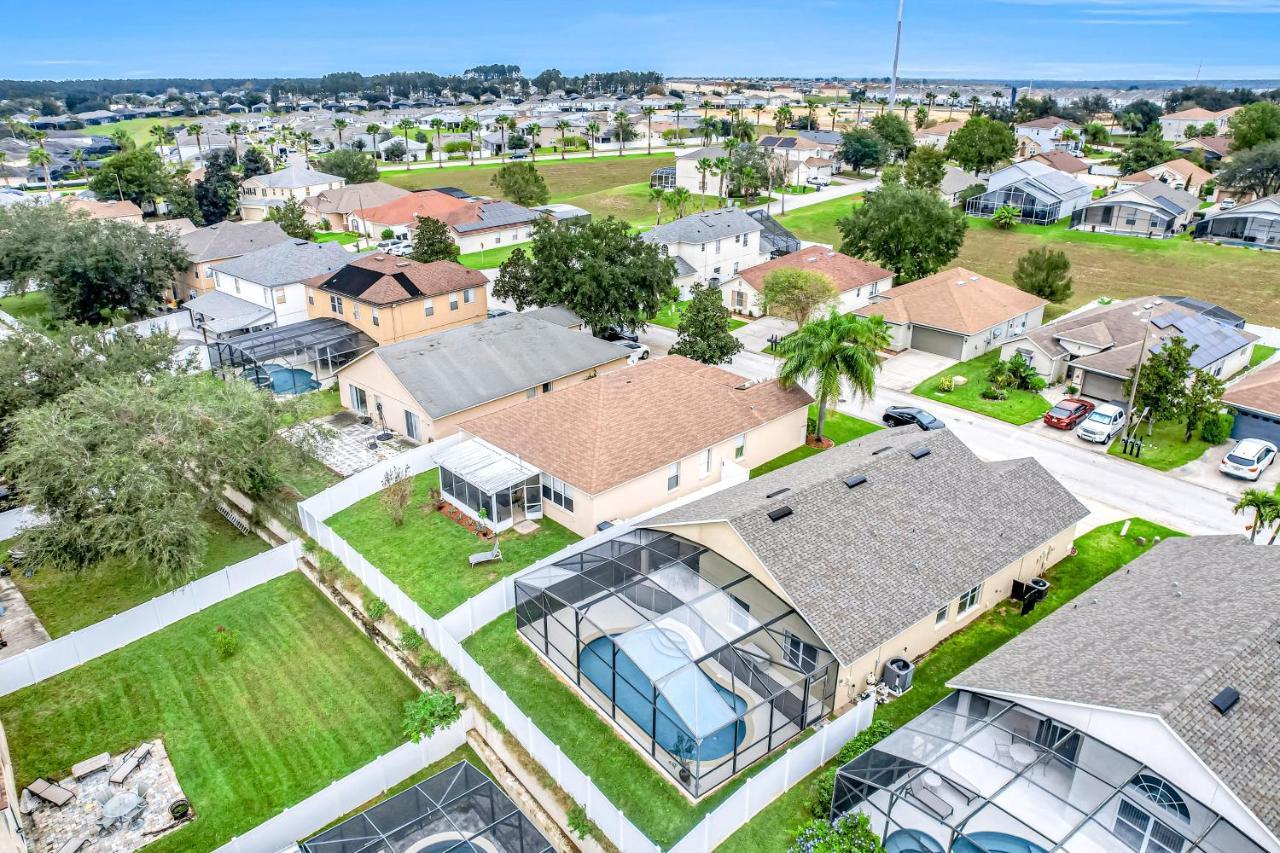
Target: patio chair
931 801
142 790
1002 751
143 752
102 796
73 845
91 765
487 556
126 767
51 792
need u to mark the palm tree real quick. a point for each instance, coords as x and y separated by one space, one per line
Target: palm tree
678 107
533 129
593 130
998 95
656 195
758 109
195 131
122 139
437 124
974 103
743 130
373 130
907 104
830 351
235 129
931 98
858 99
339 125
39 157
1265 506
77 157
648 114
503 123
952 97
563 127
812 105
705 167
306 139
679 199
164 135
470 126
707 127
781 118
271 150
721 164
622 123
1005 217
405 125
706 107
834 112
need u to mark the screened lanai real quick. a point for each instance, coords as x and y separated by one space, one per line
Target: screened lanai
458 809
978 775
478 478
697 661
1032 208
1243 227
290 359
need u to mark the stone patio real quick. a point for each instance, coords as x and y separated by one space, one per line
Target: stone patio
19 626
344 444
51 827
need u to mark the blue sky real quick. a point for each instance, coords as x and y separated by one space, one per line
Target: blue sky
1017 40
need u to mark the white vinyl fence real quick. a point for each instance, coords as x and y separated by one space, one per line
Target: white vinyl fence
350 792
68 652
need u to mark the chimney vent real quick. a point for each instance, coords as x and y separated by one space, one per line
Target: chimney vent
1226 700
855 481
779 513
920 452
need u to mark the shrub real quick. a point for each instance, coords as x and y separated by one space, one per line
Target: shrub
811 426
430 712
1217 428
397 491
824 786
994 393
387 234
579 824
323 225
851 833
375 607
225 642
1073 389
410 640
947 384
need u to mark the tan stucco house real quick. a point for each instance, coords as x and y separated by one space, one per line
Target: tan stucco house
474 224
424 388
635 439
221 242
298 182
335 207
856 281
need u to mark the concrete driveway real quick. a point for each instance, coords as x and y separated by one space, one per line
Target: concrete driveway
755 335
1204 472
909 368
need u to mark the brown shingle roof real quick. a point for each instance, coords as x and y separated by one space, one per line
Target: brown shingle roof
386 279
1258 390
1062 161
846 273
354 197
599 434
104 209
958 300
1048 121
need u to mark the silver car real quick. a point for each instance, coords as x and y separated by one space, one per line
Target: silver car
1248 459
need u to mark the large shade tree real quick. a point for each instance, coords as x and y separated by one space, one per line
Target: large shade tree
980 144
833 351
911 231
703 333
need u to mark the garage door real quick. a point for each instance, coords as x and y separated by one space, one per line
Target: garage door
1102 387
937 342
1256 425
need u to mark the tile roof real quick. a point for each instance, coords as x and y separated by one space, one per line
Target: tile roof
231 239
1259 390
703 227
957 300
459 369
352 197
846 273
600 434
286 262
1183 621
863 564
387 280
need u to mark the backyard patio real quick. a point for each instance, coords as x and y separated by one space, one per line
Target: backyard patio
346 444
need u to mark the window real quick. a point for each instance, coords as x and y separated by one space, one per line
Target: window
739 614
280 296
546 387
453 302
373 315
358 401
335 304
969 600
237 284
558 492
355 310
311 297
208 272
940 617
702 247
411 425
662 250
673 476
469 295
739 299
497 238
1143 833
737 239
717 247
429 307
735 267
531 393
798 653
740 446
706 463
1162 794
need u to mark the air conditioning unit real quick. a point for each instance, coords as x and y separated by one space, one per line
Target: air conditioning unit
897 675
1030 593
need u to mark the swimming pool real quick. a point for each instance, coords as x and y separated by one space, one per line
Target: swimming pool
705 707
994 842
911 841
280 379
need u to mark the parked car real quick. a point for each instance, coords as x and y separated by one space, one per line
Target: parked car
519 155
639 352
497 312
1068 414
1227 204
614 334
819 181
904 415
1248 459
403 250
388 245
1102 424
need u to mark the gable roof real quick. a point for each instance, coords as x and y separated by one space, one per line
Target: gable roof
230 239
286 262
1184 595
95 209
600 434
387 280
293 176
1062 161
1220 145
703 227
461 215
1182 167
352 197
940 129
1259 390
846 273
1169 199
1199 114
1048 122
459 369
863 564
957 300
786 143
1042 180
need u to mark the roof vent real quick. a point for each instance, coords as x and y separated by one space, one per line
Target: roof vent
960 282
880 450
920 452
781 491
779 513
855 481
402 263
973 278
1224 701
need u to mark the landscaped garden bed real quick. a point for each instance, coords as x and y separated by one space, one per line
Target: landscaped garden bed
302 699
426 556
838 429
1019 406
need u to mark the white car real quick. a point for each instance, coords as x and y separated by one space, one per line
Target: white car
1248 459
388 245
1103 424
819 181
639 352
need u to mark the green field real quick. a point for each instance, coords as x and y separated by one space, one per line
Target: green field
670 316
631 203
342 238
1022 407
305 699
489 258
1260 354
565 178
1165 449
817 222
838 427
139 129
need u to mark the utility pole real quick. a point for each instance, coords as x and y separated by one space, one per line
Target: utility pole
897 46
1137 373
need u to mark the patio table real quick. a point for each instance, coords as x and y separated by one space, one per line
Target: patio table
120 805
1022 753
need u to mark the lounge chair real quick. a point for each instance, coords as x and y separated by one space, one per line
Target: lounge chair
73 845
51 792
126 767
91 765
487 556
931 801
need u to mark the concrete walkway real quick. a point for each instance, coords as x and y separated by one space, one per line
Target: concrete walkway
19 626
830 193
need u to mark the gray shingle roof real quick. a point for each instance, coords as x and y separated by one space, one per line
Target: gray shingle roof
497 214
1183 621
703 227
231 239
461 368
287 262
295 176
862 564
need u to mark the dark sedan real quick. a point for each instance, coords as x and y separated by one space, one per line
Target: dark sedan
1068 414
904 415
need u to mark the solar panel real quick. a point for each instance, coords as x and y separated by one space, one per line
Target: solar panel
1169 205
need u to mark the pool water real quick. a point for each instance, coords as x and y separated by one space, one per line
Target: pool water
911 841
291 380
994 842
634 701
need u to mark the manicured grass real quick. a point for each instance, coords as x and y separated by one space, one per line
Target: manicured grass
69 601
1022 406
305 699
631 203
839 427
1244 280
427 555
489 258
817 222
1260 354
344 238
139 129
1164 449
1099 553
31 307
565 178
671 314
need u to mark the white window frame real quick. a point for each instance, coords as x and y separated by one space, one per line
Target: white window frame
373 317
969 601
704 469
469 295
940 618
429 309
740 446
453 301
411 426
673 476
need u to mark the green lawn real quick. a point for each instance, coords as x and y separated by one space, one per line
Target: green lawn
1164 449
31 308
139 129
671 314
344 238
1260 354
631 203
68 601
305 699
1100 552
564 178
817 222
1022 406
489 258
427 555
839 428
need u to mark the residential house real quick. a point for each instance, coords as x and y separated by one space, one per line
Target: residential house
1142 717
1181 174
1066 163
1097 350
335 207
216 243
1174 126
1154 209
296 181
11 818
805 159
685 172
954 182
425 387
1215 149
709 247
856 281
272 277
625 443
1041 194
474 224
1042 135
938 135
779 600
120 211
1255 224
955 313
1256 400
393 299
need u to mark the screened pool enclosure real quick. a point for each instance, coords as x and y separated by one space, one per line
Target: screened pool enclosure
696 660
977 775
290 359
459 809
